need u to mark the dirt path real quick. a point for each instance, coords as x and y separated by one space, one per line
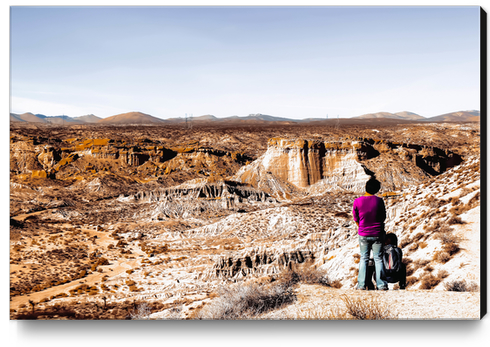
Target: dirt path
317 302
469 233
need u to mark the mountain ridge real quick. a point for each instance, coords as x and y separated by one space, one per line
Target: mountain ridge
136 117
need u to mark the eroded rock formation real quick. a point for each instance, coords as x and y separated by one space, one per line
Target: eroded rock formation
346 165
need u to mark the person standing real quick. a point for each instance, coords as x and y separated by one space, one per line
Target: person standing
369 213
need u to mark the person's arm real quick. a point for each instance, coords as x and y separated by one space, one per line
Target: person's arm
355 214
382 214
383 211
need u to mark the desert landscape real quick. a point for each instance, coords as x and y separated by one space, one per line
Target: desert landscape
136 217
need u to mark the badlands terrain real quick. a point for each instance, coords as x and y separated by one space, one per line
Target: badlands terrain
167 221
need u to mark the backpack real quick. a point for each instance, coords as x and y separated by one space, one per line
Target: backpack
392 259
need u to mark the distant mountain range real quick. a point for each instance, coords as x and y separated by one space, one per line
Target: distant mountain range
398 115
60 120
143 118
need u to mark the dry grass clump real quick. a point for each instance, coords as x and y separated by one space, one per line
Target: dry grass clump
430 280
247 301
433 202
141 312
307 275
404 242
411 280
450 243
455 220
441 257
354 308
367 309
438 226
250 300
461 286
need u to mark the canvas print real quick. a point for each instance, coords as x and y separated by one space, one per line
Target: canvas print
245 163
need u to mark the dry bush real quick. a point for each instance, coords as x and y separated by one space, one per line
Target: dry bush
441 257
354 309
407 260
448 238
461 286
306 275
420 263
413 247
142 311
454 200
442 273
462 208
367 309
449 243
410 270
430 280
418 237
474 201
451 248
247 301
405 242
465 191
454 219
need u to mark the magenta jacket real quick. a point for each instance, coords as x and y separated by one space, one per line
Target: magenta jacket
370 213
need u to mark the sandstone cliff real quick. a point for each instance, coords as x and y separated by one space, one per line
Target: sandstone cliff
319 166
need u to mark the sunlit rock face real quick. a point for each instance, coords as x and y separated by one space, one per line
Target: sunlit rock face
305 163
316 166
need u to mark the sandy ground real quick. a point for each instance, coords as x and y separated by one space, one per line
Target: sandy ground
314 301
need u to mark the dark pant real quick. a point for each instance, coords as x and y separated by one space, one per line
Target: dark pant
400 277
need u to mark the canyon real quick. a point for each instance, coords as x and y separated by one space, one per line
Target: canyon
106 218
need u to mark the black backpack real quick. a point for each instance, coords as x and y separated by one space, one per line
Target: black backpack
392 259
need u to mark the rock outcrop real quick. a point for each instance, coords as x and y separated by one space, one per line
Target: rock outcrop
258 262
320 166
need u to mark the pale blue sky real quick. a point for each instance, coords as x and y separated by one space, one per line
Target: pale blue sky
294 62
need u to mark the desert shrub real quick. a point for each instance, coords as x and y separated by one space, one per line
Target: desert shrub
406 260
423 244
367 309
462 208
454 200
451 248
357 258
465 191
454 219
448 238
247 301
306 275
413 247
421 263
403 243
432 201
441 257
429 281
410 270
442 273
417 237
461 286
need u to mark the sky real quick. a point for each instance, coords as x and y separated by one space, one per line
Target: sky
295 62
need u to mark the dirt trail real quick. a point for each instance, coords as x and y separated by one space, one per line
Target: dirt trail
315 301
